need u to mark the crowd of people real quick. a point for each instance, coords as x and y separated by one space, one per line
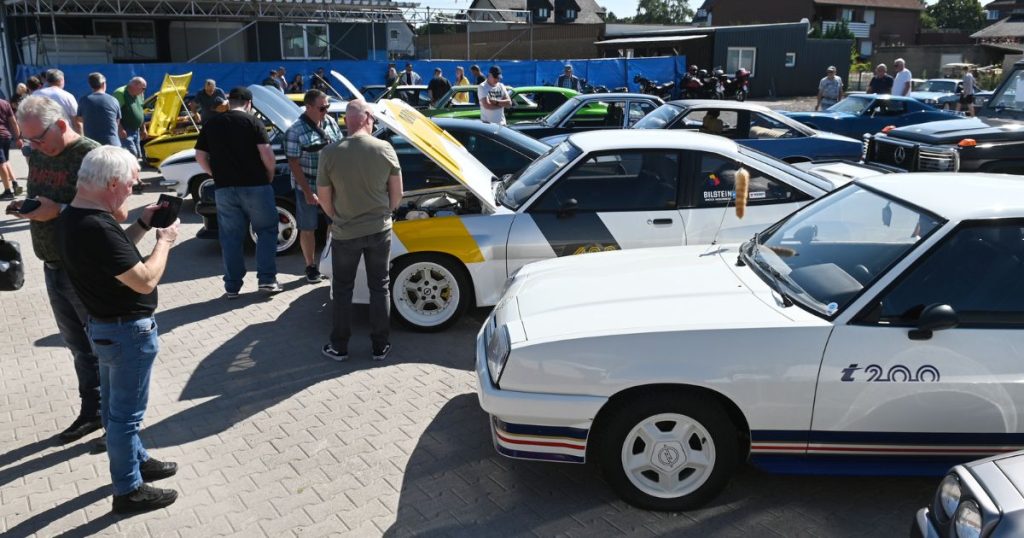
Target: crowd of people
831 89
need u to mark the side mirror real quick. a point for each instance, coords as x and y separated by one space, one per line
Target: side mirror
568 208
934 317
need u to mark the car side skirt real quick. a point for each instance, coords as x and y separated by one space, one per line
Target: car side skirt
543 443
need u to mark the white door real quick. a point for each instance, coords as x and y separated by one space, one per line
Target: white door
608 201
954 393
711 210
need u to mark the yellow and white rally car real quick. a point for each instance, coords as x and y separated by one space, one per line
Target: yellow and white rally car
455 246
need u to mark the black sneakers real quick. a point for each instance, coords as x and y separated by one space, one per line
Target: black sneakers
154 469
144 499
313 275
331 353
8 194
380 354
81 427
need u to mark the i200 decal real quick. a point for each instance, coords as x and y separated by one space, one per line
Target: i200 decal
897 373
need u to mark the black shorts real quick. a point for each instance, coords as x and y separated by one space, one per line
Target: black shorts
5 150
966 99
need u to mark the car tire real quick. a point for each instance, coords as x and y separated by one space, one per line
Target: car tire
429 292
287 227
193 185
668 451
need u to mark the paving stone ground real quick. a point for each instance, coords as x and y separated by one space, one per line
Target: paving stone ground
274 440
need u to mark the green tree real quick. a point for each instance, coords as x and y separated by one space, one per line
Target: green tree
927 21
662 12
964 15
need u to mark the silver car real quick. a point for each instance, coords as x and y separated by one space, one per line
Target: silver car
982 498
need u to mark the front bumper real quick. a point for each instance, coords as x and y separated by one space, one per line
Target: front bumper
535 426
922 527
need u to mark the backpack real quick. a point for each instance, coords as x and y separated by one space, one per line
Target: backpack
12 270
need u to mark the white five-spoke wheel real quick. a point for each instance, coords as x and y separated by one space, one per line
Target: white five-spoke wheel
667 450
429 292
287 228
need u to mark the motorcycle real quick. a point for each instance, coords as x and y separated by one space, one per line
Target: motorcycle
701 85
735 87
649 87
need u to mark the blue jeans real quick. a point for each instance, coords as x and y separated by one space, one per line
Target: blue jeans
127 351
71 318
131 143
307 215
236 208
375 250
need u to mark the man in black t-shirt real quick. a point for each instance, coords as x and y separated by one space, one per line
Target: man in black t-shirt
233 148
118 288
881 83
438 86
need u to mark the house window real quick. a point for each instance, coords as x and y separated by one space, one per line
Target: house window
131 40
993 15
790 59
304 41
394 35
866 48
737 57
869 16
570 14
543 13
846 14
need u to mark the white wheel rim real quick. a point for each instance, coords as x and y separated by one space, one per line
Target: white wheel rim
287 230
426 294
668 455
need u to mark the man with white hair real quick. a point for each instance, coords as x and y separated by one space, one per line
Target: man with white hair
55 90
359 183
118 287
130 97
53 165
901 84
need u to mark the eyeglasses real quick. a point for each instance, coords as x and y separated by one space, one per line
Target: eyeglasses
38 139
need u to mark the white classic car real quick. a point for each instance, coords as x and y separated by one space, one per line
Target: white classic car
597 191
876 330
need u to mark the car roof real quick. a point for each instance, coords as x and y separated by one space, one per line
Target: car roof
956 196
881 97
505 134
944 79
652 139
724 105
609 95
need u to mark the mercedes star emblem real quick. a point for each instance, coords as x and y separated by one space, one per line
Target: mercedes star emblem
900 155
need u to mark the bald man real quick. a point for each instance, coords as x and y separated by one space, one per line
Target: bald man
359 185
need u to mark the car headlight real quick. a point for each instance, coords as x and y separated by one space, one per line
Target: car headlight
949 496
968 520
498 349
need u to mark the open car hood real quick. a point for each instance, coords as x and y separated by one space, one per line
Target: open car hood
439 146
169 101
274 106
356 94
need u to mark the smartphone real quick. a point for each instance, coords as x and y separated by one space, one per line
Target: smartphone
168 212
29 205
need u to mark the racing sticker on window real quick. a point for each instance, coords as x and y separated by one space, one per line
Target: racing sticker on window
896 373
581 234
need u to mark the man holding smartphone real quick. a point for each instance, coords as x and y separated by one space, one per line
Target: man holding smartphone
119 290
53 165
302 144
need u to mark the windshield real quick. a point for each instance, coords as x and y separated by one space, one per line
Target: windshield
941 86
557 115
825 254
521 186
1010 96
659 118
851 105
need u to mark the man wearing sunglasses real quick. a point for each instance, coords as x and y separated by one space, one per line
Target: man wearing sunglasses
302 144
53 164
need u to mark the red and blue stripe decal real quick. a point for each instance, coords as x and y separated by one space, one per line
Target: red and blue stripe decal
532 442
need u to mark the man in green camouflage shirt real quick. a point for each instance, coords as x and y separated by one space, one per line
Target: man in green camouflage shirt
57 153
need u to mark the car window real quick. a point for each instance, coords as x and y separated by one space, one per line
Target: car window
471 102
660 118
887 107
522 100
764 127
619 181
547 101
519 188
497 157
711 121
637 111
716 184
599 113
976 271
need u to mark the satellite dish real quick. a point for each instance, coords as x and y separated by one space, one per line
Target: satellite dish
806 21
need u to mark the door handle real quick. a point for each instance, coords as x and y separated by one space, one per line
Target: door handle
659 221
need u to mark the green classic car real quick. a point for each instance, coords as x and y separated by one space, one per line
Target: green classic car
528 103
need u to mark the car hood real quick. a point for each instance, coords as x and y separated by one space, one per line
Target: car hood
832 136
953 131
805 116
928 95
274 106
356 94
168 104
439 146
645 290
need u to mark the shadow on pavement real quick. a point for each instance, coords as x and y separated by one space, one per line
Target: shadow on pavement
39 521
455 484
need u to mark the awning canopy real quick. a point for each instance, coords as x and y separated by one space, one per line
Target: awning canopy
658 40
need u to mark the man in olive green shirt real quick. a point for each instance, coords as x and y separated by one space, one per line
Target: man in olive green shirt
359 184
130 97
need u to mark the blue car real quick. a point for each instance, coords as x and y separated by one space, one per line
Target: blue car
869 113
753 126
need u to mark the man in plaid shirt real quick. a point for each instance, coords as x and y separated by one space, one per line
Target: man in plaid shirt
302 144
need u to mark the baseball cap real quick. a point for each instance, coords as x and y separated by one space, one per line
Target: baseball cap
831 68
240 93
495 71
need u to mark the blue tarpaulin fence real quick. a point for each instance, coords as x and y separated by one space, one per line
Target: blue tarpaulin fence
610 72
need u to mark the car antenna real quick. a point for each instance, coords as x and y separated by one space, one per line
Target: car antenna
742 187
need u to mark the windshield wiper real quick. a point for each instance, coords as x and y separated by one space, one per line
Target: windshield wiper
775 284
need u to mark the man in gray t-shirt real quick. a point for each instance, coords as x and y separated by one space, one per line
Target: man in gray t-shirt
830 89
99 114
210 101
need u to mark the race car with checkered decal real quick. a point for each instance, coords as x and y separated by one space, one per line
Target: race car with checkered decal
597 191
877 330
